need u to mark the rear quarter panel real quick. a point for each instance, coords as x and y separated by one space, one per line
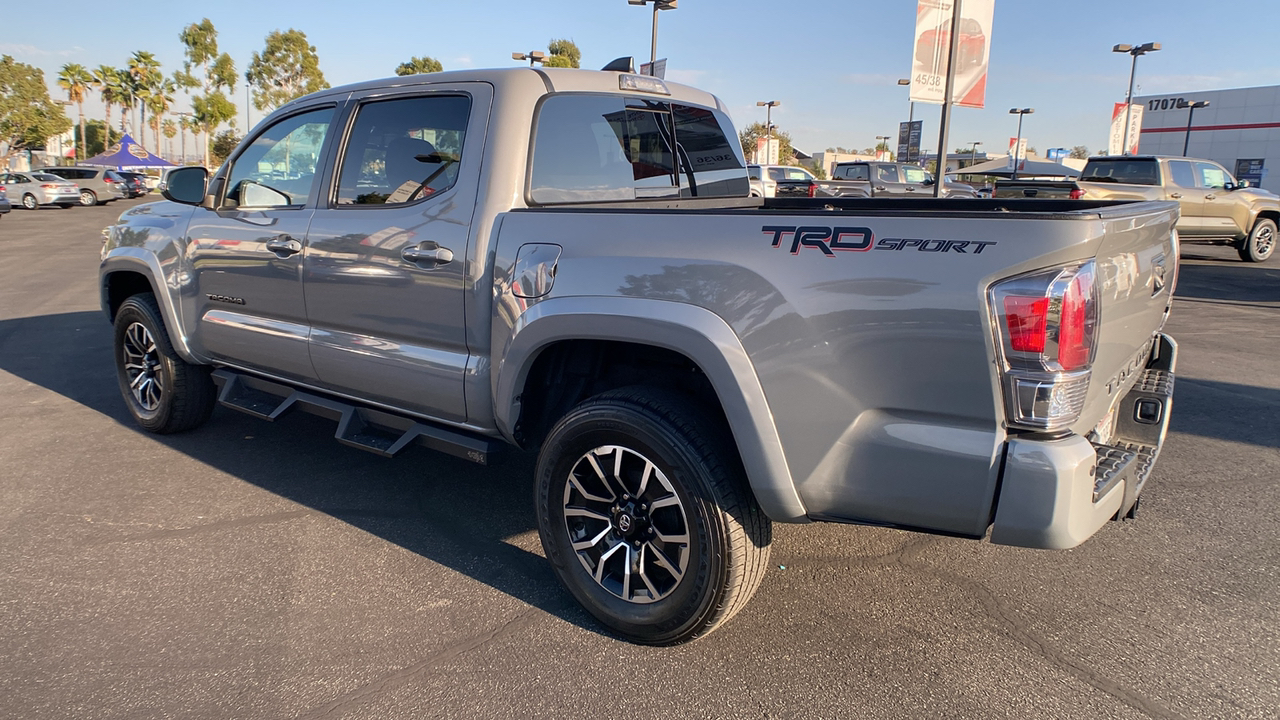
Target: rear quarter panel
877 364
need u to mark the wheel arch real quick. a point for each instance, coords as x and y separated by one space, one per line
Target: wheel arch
129 271
666 331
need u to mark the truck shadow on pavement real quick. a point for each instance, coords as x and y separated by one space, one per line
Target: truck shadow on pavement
1227 280
474 520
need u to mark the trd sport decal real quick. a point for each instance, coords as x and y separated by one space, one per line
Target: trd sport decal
831 240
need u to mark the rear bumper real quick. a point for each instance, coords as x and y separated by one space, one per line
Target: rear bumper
1055 494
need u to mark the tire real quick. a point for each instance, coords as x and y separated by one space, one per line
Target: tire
164 393
699 541
29 202
88 198
1261 242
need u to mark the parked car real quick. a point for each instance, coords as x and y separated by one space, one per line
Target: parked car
135 183
892 179
98 186
793 181
689 364
4 201
33 189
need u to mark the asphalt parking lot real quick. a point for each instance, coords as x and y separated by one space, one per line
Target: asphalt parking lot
259 570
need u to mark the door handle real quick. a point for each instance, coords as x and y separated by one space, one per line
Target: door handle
1175 196
284 246
910 188
879 187
427 254
1210 197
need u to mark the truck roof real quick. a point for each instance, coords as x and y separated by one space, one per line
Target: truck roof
550 79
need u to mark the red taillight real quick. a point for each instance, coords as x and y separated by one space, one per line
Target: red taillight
49 186
107 180
1075 332
813 189
1077 193
1027 319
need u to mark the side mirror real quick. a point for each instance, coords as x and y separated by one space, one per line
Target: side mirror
186 185
1242 184
928 180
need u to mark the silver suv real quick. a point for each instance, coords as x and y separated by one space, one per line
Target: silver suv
98 186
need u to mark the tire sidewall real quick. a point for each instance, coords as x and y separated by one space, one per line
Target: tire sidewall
132 311
587 428
29 202
88 198
1251 243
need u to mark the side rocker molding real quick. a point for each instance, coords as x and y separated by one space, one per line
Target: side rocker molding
687 329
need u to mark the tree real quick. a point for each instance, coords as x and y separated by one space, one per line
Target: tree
170 129
563 53
287 68
145 78
818 169
1079 152
158 103
419 66
75 80
28 116
95 138
753 132
217 73
224 144
107 80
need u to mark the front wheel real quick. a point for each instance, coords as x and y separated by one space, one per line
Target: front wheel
1260 243
164 393
645 516
29 202
87 198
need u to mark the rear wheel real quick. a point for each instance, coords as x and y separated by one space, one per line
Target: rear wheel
646 518
1260 243
164 393
88 198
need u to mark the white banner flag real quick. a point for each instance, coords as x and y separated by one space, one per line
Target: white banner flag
1115 146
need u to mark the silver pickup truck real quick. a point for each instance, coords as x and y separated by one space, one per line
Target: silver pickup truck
568 261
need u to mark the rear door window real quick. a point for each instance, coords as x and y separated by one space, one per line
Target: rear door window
1181 173
403 150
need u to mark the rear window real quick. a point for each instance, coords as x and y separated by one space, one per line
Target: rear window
1122 170
595 148
46 177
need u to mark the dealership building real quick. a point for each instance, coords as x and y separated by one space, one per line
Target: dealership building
1239 129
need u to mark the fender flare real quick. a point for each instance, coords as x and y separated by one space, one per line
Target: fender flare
695 332
145 263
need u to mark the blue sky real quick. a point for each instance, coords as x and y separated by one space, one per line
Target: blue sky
832 63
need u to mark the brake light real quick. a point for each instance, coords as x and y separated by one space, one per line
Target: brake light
813 189
108 180
49 186
1027 319
1077 193
1048 324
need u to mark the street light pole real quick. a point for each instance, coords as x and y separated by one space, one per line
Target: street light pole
653 41
1191 110
768 126
248 123
1135 51
532 56
1017 143
883 140
973 152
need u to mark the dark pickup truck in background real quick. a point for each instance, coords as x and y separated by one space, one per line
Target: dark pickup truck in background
889 179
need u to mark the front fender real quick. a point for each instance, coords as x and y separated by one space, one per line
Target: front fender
144 262
695 332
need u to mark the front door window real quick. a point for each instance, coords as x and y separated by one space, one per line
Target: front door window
278 169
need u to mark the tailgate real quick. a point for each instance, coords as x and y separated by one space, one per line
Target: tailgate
1137 265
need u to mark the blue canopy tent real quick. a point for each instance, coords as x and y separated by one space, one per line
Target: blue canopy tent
129 155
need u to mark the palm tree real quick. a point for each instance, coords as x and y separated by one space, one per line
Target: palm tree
76 80
144 76
170 129
159 102
107 80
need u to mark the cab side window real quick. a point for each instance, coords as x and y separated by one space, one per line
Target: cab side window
278 169
886 173
1211 176
403 150
1182 174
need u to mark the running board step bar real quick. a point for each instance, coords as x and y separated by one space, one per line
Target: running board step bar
377 431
